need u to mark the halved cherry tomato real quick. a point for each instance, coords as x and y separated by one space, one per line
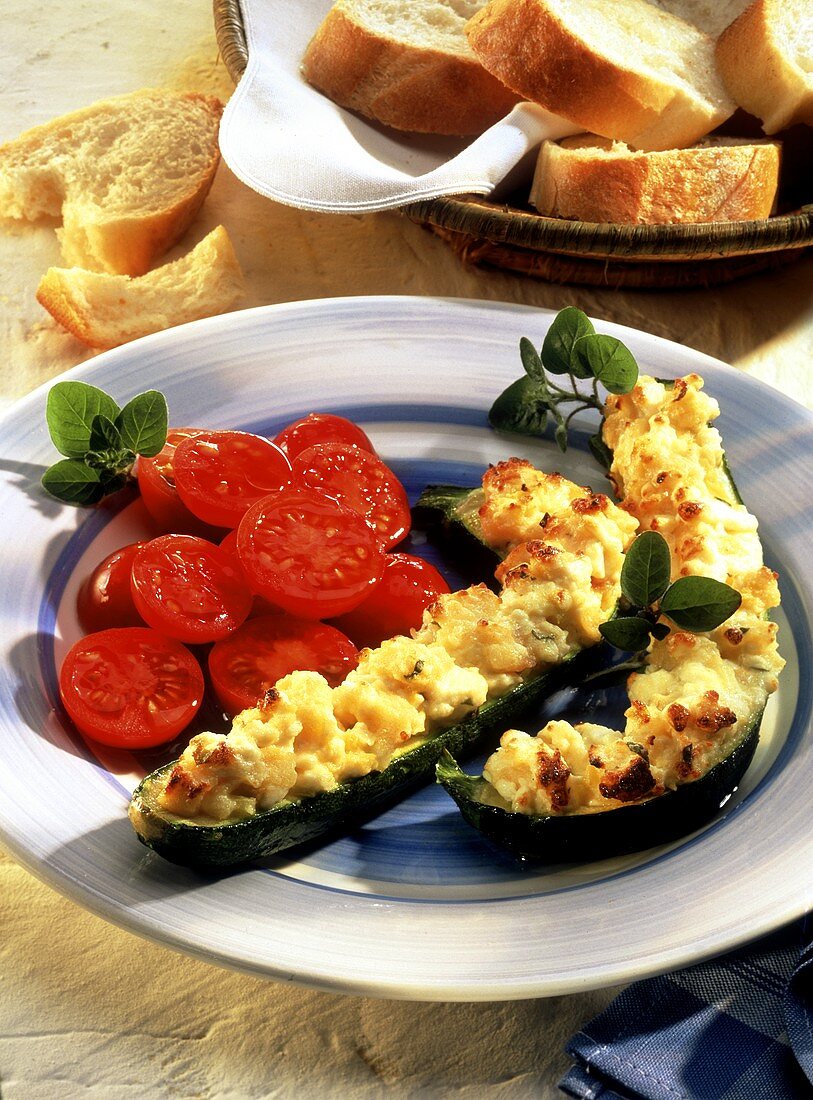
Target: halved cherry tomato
362 482
156 482
308 554
321 428
130 687
220 474
259 606
189 589
396 604
228 544
105 599
243 666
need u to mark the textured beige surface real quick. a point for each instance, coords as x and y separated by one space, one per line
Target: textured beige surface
89 1012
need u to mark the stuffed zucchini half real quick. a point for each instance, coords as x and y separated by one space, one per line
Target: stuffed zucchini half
586 791
310 759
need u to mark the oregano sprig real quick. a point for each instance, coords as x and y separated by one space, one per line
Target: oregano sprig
573 351
99 440
696 604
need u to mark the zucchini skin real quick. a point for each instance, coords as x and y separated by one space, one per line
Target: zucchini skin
330 813
435 512
585 837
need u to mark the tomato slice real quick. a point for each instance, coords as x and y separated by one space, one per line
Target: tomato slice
308 554
259 606
243 666
105 599
361 481
189 589
321 428
396 604
130 687
220 474
156 482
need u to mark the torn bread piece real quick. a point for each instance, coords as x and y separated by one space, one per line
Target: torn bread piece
104 311
126 175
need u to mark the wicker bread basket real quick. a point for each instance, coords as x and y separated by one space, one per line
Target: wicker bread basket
511 237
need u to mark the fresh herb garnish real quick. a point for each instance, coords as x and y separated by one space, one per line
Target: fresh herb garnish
696 604
100 441
571 348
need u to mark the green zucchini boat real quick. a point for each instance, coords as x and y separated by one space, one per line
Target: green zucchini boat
581 837
330 813
448 514
586 792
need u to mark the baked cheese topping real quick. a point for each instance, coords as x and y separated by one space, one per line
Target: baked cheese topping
696 694
472 646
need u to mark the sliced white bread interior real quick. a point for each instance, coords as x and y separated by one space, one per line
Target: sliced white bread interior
766 60
711 16
620 68
406 64
104 310
126 175
594 179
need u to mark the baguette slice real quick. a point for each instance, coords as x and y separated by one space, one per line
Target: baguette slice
105 310
711 16
620 68
766 60
597 180
407 65
127 176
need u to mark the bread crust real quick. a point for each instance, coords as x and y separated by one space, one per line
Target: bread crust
711 183
533 51
125 239
402 85
759 74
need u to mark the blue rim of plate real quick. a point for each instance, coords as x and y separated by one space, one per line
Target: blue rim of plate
359 312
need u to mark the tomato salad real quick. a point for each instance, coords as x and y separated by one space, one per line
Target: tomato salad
263 540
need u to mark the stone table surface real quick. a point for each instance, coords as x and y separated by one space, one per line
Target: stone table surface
90 1011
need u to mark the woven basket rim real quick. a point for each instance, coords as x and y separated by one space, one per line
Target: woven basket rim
482 218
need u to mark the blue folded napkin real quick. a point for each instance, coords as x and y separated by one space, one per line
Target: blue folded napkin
737 1028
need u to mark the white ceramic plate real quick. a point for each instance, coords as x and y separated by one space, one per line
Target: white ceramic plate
412 905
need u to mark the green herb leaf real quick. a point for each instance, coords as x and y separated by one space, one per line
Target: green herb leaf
521 408
142 423
568 326
600 451
700 603
73 482
561 436
70 411
531 362
610 361
104 435
646 571
627 632
573 348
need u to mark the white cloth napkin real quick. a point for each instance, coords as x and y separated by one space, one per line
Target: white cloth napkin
288 142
